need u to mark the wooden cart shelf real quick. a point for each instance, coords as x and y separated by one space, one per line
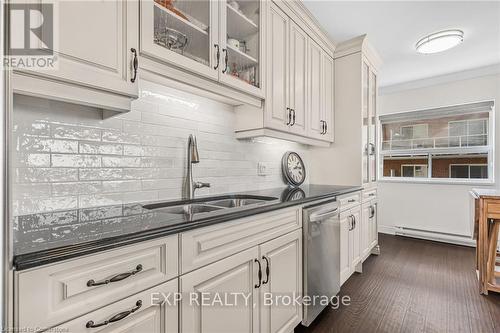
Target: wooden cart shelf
486 230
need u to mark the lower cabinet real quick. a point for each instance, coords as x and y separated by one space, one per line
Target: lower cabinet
283 277
369 232
350 242
244 292
152 311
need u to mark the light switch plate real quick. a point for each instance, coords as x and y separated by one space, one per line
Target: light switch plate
263 169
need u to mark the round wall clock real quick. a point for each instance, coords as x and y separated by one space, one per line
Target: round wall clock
293 168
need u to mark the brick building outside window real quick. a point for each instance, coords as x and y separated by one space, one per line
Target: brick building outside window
449 143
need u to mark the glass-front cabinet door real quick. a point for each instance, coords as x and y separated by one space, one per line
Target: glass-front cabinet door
365 78
241 32
183 33
373 127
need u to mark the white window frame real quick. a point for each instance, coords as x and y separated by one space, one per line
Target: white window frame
414 165
444 111
468 165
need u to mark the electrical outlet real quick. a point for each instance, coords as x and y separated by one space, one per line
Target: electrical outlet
263 169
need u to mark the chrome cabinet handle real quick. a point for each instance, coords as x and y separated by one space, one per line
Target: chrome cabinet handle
116 278
351 200
372 211
268 270
226 59
289 116
135 64
326 127
350 223
117 317
259 274
293 117
322 122
217 55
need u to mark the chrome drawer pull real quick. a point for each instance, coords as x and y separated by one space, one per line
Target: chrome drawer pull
116 317
351 200
116 278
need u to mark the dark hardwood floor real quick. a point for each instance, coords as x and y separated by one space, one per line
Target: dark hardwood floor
413 286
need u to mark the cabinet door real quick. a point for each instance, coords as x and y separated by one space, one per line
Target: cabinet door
355 238
327 89
231 280
152 311
298 78
365 90
366 231
281 261
315 76
373 126
182 33
276 104
241 36
93 45
373 227
345 252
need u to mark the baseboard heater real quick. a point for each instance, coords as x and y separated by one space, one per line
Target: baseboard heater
435 236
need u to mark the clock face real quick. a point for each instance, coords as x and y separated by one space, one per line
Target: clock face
293 168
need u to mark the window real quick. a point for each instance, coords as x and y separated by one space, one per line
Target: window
452 144
477 171
414 170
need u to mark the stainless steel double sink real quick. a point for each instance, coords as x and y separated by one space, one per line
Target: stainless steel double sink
210 204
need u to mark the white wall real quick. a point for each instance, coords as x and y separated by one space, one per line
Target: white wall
66 157
441 208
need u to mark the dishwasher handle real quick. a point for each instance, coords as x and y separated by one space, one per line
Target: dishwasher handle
322 215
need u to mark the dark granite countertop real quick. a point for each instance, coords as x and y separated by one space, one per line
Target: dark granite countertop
54 236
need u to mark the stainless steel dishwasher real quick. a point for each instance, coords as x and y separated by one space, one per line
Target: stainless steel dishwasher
321 255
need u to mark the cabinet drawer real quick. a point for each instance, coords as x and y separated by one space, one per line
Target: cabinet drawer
152 313
206 245
369 194
65 290
350 200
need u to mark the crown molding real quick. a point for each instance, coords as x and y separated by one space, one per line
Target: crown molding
359 44
441 79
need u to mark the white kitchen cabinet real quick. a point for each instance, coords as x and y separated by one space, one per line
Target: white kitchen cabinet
272 267
297 100
350 242
276 113
282 267
148 311
373 235
321 93
95 64
181 33
299 93
353 158
366 230
345 263
235 275
72 288
355 236
219 41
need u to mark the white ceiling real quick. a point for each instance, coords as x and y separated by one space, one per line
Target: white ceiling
393 27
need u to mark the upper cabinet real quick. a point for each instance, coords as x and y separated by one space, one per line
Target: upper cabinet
182 33
94 51
217 40
356 65
300 75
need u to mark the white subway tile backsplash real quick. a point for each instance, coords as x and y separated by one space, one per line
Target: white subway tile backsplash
100 148
75 161
44 175
66 156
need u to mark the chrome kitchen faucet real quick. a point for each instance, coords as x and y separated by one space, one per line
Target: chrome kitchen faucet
193 157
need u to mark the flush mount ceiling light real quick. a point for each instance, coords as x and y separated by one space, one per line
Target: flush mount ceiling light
439 41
